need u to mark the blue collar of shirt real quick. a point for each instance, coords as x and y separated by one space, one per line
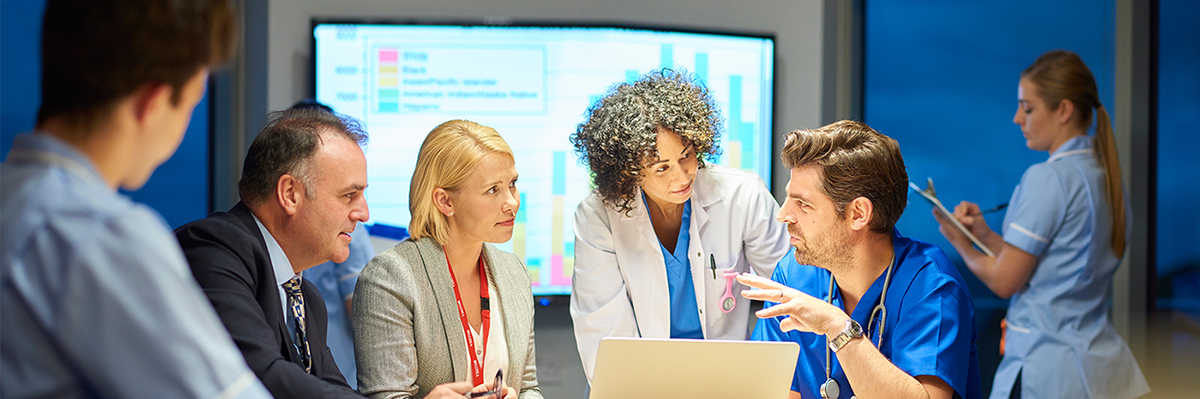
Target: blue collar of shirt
871 298
279 260
40 147
1074 145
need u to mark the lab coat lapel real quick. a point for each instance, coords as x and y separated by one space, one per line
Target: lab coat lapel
705 192
438 271
646 272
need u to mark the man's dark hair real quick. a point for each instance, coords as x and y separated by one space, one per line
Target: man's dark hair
309 103
95 53
855 161
286 145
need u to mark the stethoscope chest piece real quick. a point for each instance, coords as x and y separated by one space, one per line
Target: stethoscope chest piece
830 389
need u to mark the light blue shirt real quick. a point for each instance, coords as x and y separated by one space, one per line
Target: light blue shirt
336 282
930 326
1060 338
283 273
96 296
685 317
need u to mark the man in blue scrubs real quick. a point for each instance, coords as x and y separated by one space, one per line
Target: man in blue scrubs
848 187
96 297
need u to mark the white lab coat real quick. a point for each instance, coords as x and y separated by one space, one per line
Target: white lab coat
619 286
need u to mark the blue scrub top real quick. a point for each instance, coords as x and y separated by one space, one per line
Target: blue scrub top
685 316
930 326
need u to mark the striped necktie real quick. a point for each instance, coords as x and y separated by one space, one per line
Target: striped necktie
296 301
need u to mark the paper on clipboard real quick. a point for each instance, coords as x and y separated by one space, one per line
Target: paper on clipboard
929 196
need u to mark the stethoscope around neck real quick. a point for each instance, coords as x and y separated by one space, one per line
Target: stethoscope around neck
830 389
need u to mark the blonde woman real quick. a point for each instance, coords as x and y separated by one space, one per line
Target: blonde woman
1063 238
445 305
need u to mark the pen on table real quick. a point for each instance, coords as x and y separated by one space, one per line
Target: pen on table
712 262
996 208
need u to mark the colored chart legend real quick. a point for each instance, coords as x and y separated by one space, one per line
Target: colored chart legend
388 80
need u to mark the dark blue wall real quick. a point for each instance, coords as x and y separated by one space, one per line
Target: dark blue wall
941 78
1178 229
179 189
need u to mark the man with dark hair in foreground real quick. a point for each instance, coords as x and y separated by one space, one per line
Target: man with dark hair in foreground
95 293
876 314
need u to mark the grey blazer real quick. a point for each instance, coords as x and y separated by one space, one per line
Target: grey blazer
407 332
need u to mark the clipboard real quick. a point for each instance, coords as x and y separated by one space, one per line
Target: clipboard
930 196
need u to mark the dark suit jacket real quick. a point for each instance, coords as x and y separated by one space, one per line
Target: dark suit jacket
229 259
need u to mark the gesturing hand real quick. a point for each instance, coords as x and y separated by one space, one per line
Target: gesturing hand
805 313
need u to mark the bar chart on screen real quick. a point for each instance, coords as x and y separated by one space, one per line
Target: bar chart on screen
533 85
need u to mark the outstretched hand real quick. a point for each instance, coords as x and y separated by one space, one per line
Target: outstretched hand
805 313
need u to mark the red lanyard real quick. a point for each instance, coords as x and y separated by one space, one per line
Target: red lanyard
476 361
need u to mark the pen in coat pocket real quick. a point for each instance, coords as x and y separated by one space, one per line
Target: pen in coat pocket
712 263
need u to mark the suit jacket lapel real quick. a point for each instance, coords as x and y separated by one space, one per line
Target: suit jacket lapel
514 311
272 309
440 281
313 321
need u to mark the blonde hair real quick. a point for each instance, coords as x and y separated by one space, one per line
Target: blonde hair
1062 75
447 157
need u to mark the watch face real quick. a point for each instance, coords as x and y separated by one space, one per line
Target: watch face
854 328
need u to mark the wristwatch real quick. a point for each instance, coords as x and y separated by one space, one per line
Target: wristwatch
853 330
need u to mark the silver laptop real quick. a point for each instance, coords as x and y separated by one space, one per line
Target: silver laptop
693 368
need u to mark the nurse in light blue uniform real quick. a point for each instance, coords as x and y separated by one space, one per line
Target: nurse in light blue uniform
1061 244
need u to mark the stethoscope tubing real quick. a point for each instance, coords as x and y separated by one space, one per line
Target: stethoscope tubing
879 309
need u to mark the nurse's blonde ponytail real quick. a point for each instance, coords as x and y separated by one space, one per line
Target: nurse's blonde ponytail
1062 75
1106 147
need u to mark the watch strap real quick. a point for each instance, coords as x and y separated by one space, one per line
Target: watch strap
853 330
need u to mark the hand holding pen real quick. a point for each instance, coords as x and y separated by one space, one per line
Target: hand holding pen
971 217
996 208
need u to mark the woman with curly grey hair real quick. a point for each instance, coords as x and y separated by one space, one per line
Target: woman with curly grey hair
658 241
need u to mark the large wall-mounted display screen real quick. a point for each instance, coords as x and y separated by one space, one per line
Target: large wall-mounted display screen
533 85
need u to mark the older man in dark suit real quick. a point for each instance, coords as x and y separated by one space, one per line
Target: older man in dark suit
302 195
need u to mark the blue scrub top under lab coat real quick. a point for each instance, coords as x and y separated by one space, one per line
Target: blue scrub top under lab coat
685 317
930 327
